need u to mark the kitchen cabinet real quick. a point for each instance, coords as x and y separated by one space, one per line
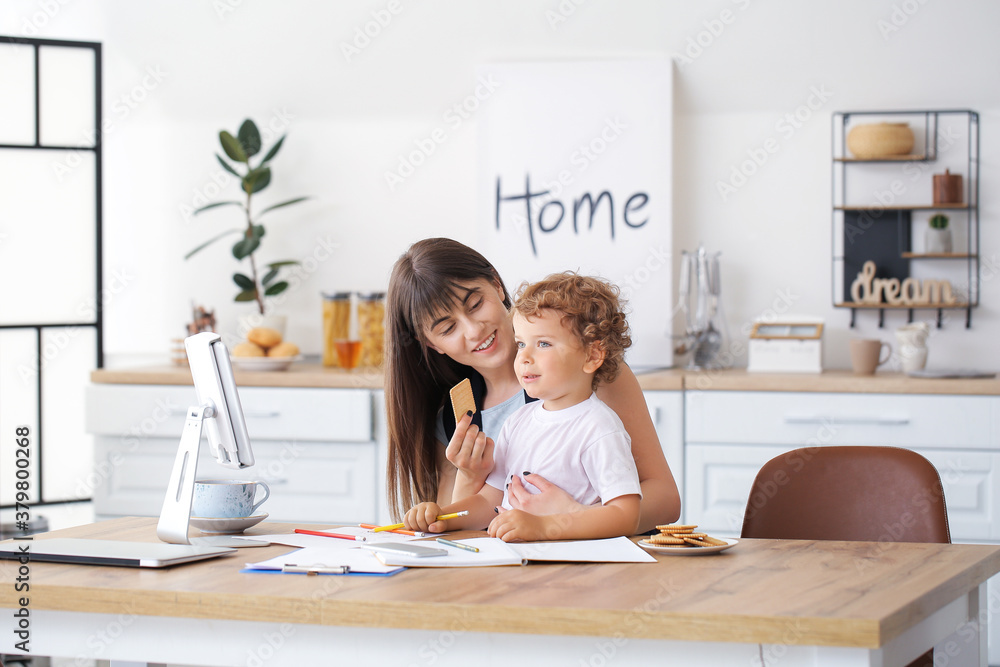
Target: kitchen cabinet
314 447
881 208
729 435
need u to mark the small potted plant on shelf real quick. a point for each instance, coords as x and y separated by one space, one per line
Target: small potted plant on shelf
937 238
258 282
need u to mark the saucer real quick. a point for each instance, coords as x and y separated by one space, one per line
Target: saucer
226 525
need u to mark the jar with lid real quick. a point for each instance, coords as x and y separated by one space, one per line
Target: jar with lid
371 328
336 324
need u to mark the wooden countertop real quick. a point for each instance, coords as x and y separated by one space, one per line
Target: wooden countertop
751 593
837 381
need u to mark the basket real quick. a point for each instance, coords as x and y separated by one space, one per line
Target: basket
877 140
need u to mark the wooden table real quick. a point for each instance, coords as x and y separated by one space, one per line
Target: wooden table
797 602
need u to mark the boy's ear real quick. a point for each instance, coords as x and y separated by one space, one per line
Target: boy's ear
595 357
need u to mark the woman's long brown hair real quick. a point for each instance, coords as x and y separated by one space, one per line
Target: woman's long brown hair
423 285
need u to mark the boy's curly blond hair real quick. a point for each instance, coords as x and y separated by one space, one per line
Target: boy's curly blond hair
592 308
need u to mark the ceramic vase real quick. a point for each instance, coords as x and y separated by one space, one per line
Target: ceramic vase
911 343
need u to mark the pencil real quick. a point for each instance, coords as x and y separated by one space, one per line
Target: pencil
441 517
321 533
411 533
458 545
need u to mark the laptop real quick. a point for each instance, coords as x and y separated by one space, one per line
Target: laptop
108 552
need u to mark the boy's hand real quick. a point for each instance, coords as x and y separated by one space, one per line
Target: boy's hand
519 526
470 450
421 517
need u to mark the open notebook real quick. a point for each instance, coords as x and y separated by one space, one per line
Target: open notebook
494 551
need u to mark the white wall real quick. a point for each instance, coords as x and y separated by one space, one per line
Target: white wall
176 72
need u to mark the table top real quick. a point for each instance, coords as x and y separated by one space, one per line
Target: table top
857 594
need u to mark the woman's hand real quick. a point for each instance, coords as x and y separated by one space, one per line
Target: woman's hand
422 516
549 500
472 453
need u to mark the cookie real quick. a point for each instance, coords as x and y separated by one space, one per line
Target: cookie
462 400
677 528
662 540
264 337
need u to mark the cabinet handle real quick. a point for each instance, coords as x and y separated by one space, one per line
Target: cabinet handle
828 419
249 414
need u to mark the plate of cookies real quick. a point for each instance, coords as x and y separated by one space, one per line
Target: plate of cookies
685 540
264 350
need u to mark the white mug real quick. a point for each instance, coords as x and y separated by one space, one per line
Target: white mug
226 498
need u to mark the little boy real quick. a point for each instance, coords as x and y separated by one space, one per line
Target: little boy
571 335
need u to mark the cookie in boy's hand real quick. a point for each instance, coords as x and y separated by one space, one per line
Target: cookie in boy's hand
462 400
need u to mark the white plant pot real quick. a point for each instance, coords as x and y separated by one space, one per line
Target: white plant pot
937 240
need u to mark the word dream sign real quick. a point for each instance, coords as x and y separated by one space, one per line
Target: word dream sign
868 289
575 174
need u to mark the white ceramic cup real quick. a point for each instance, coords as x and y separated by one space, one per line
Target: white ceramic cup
226 498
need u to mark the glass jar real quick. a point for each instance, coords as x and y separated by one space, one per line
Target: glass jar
336 324
371 328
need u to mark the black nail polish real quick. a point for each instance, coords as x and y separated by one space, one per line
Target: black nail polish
497 510
525 473
468 413
507 487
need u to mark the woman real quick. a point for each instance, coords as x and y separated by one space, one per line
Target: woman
446 319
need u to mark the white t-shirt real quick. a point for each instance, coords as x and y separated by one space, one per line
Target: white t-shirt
583 449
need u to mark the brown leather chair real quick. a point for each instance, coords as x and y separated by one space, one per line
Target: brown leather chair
849 493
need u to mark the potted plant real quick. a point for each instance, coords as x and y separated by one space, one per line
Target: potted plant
937 238
258 282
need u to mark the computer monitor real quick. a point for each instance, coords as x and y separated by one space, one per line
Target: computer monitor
219 411
215 385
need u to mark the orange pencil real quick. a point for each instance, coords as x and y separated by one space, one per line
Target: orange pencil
411 533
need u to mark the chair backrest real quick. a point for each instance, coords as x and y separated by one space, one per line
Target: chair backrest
848 493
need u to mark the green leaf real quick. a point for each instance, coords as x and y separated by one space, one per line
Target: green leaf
247 295
242 249
249 137
216 205
284 203
211 241
256 179
287 262
257 231
276 288
274 151
232 146
227 167
243 281
269 276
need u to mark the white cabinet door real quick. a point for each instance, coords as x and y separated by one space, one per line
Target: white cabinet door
666 408
717 482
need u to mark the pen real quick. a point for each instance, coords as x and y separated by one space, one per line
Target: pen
411 533
458 545
303 531
316 568
441 517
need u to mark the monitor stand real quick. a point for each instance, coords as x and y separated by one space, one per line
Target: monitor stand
175 516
